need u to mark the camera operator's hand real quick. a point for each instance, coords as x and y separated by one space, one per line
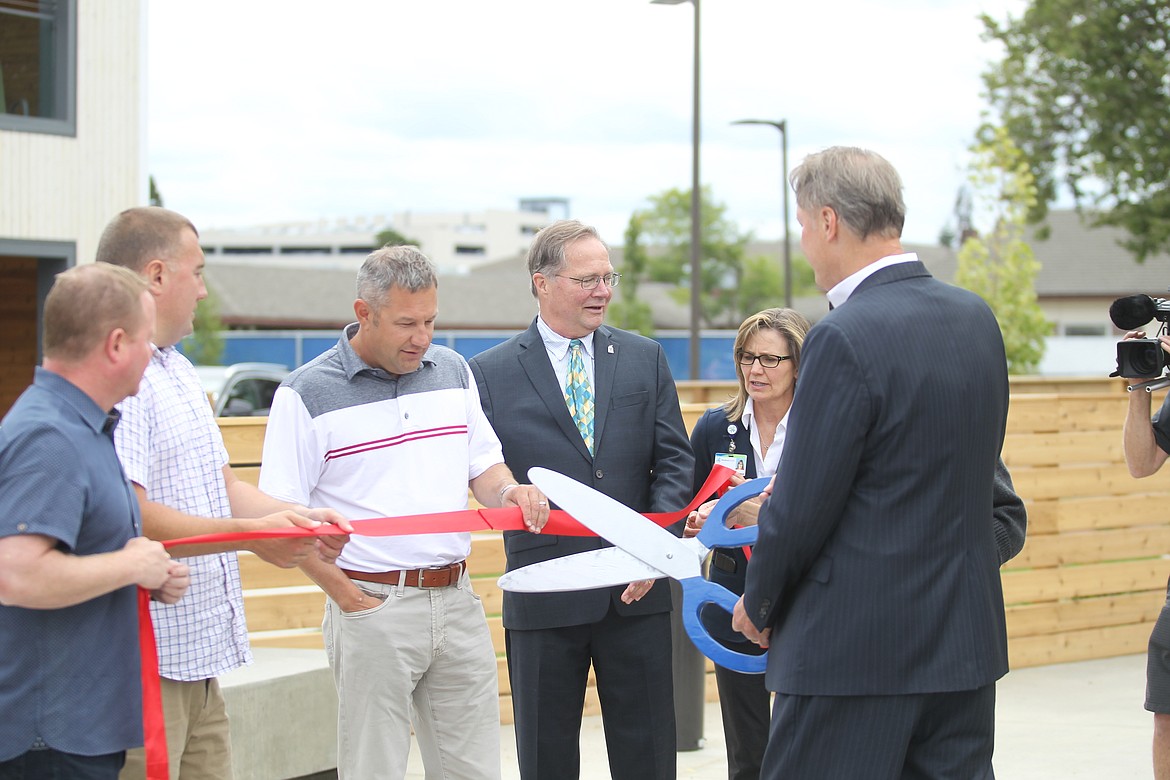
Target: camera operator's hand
1134 334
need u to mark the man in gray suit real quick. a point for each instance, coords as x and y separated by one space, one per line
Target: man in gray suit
598 404
875 577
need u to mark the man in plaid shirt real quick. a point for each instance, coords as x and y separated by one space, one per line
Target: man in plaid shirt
172 451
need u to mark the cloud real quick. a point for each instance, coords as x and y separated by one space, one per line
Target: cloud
271 111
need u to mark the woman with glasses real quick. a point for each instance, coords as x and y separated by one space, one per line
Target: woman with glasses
746 434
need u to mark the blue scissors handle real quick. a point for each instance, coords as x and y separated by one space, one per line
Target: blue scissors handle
715 532
698 592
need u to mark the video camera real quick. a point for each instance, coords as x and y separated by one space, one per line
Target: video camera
1140 358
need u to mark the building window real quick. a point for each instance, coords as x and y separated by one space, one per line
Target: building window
462 249
248 250
38 66
1084 329
304 250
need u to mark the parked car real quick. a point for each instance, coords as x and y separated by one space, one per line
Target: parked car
241 389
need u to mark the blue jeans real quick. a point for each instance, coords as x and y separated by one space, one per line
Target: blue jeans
54 765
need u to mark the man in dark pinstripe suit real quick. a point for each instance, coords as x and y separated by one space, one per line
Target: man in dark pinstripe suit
875 576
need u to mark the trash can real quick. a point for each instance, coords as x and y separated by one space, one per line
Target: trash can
690 679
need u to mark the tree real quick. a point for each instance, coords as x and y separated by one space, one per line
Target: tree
732 286
627 311
205 345
1084 92
391 237
155 197
1001 268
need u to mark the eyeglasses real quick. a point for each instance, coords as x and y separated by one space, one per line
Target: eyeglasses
767 361
591 282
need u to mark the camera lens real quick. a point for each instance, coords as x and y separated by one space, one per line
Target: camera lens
1147 359
1140 358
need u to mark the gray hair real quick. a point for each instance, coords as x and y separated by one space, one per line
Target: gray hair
860 185
394 266
547 253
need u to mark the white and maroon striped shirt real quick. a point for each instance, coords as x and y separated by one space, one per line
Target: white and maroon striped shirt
373 444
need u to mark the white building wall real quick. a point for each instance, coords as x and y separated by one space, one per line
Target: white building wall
61 188
454 241
498 233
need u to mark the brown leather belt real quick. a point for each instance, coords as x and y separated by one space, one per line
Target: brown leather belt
436 577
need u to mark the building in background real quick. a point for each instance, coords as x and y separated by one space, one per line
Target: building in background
71 87
457 242
308 298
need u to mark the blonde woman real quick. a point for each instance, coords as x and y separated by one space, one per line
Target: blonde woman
747 435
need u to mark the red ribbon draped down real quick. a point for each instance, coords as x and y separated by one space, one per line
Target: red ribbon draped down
505 519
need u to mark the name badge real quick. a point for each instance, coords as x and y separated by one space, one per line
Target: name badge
732 460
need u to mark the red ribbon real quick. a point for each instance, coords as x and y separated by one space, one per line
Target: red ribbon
559 523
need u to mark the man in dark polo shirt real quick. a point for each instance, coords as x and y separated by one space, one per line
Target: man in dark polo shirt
71 550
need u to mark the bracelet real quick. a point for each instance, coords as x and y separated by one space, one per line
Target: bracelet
505 489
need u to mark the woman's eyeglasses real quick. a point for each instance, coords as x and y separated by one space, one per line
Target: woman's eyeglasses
767 361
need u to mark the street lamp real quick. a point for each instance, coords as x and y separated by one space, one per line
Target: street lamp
782 126
696 201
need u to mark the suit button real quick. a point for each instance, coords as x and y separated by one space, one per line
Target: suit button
599 474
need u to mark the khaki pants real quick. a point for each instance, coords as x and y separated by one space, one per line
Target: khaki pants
198 743
423 655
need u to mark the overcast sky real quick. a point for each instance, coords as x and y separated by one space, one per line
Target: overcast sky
264 111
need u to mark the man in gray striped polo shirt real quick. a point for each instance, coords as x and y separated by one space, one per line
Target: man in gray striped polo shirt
387 424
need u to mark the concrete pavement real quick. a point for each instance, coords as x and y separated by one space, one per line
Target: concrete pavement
1078 720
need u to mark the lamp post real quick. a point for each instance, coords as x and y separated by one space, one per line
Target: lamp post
696 202
688 665
782 126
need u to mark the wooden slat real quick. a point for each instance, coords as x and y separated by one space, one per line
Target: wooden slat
1079 645
487 554
1064 413
1097 512
255 574
1096 579
1092 546
1062 616
296 640
284 608
244 438
1056 449
1073 481
489 594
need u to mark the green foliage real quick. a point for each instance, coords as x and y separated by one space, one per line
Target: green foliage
666 228
155 195
733 285
762 284
1001 267
1082 90
204 347
627 311
391 237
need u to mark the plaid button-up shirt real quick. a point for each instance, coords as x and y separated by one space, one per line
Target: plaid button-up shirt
170 444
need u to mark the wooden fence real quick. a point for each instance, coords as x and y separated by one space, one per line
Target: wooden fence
1088 584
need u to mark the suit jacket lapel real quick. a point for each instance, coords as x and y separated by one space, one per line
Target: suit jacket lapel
534 360
605 358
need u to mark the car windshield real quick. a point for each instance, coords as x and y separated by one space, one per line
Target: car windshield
241 389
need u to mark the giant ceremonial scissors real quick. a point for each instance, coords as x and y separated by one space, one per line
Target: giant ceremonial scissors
643 550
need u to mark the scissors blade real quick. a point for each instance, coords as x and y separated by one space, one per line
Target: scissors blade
581 571
613 520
